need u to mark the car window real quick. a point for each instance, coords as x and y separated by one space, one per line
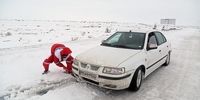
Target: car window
160 38
152 40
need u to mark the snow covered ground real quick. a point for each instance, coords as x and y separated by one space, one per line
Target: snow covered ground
25 44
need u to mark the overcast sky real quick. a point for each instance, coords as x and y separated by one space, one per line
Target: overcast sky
187 12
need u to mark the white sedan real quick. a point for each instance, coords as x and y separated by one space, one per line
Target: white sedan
123 60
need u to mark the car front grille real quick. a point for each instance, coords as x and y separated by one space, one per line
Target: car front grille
95 68
83 65
89 67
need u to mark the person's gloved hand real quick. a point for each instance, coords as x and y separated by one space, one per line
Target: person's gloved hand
67 71
45 72
64 68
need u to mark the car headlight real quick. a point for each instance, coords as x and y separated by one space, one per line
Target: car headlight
76 62
113 71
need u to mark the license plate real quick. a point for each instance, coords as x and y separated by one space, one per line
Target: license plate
88 75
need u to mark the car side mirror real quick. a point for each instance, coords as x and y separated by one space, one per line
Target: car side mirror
103 41
152 46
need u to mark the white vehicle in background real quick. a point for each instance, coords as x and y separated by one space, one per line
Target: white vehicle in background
123 60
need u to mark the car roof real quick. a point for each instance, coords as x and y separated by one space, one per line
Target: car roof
139 31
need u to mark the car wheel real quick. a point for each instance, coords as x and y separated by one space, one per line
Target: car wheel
167 60
136 80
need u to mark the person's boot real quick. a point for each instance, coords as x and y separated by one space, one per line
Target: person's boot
45 72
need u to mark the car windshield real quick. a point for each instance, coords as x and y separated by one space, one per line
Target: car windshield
129 40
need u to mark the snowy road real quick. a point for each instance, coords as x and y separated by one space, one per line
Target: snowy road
21 74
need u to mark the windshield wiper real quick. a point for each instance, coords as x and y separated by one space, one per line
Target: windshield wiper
117 46
122 46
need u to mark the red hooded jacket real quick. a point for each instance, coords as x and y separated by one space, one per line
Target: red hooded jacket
59 53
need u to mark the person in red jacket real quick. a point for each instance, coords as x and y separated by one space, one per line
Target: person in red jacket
59 53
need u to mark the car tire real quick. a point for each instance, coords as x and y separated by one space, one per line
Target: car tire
167 60
136 80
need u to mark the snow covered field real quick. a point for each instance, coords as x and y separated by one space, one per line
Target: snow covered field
25 44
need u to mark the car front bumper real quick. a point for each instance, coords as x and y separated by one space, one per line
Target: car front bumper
114 82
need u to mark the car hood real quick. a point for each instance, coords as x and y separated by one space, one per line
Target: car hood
106 56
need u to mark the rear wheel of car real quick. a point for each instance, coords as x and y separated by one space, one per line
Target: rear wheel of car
136 80
167 60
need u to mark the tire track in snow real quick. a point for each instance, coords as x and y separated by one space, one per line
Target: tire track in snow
20 92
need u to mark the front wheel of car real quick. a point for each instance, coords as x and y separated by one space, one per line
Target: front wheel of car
136 80
167 60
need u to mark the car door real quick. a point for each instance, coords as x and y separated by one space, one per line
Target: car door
153 55
163 46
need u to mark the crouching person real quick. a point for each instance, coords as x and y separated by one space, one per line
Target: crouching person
59 53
